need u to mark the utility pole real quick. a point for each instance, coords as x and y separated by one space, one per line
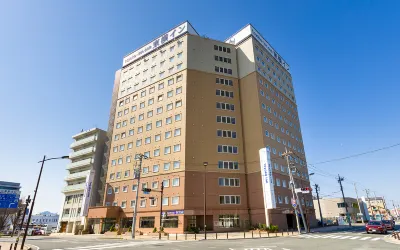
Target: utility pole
359 205
294 194
205 164
395 209
369 203
340 179
376 202
137 173
319 205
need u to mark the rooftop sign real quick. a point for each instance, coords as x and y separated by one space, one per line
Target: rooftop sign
250 30
151 46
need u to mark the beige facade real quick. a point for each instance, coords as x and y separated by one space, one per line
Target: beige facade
333 208
84 185
195 100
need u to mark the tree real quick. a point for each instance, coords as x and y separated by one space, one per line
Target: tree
11 216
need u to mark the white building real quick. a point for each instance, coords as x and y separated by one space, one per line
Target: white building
44 218
84 179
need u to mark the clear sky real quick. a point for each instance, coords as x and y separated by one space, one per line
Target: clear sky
58 59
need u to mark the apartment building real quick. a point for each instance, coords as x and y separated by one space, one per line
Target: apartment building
376 207
201 110
84 180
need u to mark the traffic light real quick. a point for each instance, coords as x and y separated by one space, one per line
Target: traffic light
146 189
306 189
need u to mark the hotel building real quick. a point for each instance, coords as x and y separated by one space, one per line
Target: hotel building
183 100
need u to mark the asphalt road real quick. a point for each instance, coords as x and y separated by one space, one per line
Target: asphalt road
349 240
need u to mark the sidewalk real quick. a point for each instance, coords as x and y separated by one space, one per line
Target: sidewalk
183 237
6 246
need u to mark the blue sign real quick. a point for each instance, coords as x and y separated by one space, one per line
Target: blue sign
173 212
9 200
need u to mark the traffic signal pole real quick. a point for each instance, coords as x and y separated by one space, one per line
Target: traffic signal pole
319 205
161 213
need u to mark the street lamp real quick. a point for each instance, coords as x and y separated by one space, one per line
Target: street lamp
205 164
34 196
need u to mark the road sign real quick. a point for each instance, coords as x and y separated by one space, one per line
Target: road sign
9 200
293 201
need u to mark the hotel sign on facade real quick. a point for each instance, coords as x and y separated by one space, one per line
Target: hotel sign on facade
151 46
250 30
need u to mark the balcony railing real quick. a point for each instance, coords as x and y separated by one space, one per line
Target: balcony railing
76 187
82 152
85 141
79 175
79 164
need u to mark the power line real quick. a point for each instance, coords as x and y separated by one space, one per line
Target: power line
356 155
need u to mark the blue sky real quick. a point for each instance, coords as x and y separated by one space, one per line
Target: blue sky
58 58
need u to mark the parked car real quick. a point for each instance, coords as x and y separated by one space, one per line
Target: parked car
389 224
375 226
37 232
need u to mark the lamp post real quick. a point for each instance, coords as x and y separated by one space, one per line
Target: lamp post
34 196
205 164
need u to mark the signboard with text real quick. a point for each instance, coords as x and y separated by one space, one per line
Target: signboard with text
151 46
267 184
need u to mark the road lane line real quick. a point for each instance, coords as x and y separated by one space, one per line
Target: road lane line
335 236
356 237
344 237
375 239
365 238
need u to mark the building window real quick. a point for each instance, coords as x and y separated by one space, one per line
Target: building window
169 106
177 132
154 184
178 104
116 190
168 120
226 119
145 170
179 78
229 182
227 149
178 90
229 221
156 152
167 150
146 222
171 81
134 188
167 166
125 189
175 200
109 190
157 137
226 133
178 117
228 165
170 94
133 203
177 148
128 159
148 127
165 201
156 168
168 134
147 140
229 199
159 110
225 106
175 182
166 183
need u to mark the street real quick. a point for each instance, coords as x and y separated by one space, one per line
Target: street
354 239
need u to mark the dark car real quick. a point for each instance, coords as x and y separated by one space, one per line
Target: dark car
389 224
37 232
375 226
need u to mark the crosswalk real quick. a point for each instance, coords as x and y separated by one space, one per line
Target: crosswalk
128 244
338 237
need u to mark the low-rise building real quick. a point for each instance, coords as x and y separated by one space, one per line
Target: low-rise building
334 209
84 179
44 218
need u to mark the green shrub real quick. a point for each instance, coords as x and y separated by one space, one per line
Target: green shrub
155 230
273 228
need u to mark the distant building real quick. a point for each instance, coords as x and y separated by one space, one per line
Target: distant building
334 208
376 207
44 218
84 179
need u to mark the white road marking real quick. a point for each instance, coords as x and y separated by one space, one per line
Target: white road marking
365 238
356 237
344 237
336 236
375 239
